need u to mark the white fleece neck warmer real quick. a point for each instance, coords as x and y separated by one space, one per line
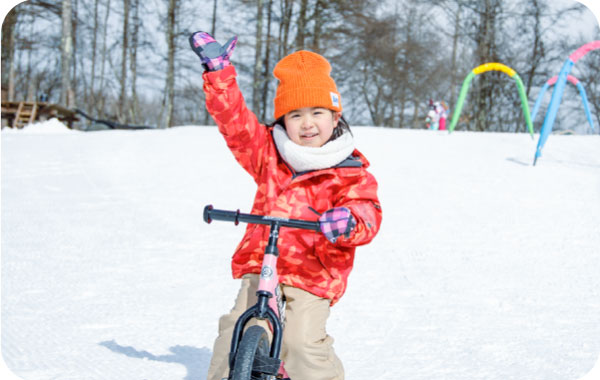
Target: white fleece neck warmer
304 158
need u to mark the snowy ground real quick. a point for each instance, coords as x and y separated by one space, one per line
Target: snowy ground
485 267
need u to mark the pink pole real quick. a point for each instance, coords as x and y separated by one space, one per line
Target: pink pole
570 78
583 50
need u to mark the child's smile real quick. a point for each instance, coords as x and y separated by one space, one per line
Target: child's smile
308 136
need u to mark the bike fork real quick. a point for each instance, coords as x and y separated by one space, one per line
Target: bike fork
266 306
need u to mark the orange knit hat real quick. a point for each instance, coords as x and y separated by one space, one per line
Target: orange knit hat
304 81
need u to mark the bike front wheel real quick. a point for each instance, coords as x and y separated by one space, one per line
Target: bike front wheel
249 359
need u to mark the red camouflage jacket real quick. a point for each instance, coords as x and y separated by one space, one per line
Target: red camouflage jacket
307 259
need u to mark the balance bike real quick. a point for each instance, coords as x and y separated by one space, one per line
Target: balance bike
252 356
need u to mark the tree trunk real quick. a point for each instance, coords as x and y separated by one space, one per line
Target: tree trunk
267 66
100 105
415 119
8 52
30 97
73 90
454 76
538 47
284 27
8 45
213 32
213 28
486 50
301 33
318 25
90 98
170 82
123 95
66 53
133 112
257 82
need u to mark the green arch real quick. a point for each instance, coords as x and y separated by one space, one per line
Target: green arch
488 67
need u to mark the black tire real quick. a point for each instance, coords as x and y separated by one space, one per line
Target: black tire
255 341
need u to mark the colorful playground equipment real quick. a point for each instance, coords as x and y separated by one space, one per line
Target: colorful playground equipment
579 86
492 66
559 88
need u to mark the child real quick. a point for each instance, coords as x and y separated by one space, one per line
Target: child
436 117
305 165
442 110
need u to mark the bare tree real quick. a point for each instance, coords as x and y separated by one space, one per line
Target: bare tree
213 32
485 37
301 25
266 63
90 97
8 53
66 54
125 41
100 104
29 72
257 72
133 51
318 16
170 79
388 58
213 28
286 7
455 36
537 49
74 78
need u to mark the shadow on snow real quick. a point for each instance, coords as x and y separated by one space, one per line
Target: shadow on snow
195 360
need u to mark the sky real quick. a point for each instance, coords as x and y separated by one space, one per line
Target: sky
590 22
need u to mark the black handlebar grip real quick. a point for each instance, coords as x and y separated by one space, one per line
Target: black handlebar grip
211 214
207 210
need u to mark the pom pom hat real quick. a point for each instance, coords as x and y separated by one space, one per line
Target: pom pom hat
304 81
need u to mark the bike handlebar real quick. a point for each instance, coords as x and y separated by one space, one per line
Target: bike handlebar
211 214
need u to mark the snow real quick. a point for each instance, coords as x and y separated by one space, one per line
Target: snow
486 267
50 126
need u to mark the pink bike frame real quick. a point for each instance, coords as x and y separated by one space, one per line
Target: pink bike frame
269 283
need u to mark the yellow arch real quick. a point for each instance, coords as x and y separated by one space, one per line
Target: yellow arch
494 66
482 69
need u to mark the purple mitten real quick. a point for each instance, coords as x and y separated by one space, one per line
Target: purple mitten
213 56
336 222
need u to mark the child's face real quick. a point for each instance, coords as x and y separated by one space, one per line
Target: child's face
311 126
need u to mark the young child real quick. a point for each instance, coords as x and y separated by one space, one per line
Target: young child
436 117
304 165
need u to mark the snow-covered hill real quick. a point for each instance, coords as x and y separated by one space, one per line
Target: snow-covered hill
485 267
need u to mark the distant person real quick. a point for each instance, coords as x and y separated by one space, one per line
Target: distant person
43 97
432 120
306 167
436 116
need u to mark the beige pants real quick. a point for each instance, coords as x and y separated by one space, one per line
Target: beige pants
307 350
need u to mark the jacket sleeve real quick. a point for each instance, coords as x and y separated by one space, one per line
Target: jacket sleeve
245 136
361 198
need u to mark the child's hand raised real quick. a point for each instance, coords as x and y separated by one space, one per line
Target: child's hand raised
336 222
213 56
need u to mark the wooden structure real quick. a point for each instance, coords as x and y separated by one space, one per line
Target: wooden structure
19 114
